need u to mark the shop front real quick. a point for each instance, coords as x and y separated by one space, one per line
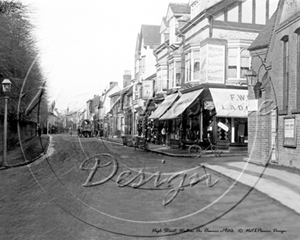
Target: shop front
181 124
230 125
219 114
160 110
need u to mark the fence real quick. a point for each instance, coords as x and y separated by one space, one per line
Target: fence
27 131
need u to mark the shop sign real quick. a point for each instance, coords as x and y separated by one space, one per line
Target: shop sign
147 92
212 64
209 105
223 126
289 130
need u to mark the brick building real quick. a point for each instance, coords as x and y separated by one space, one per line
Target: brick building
274 122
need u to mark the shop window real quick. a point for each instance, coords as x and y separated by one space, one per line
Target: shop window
285 55
223 129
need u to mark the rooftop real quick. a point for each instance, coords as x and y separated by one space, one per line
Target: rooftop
263 39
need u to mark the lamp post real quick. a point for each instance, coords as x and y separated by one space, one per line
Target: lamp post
253 82
6 86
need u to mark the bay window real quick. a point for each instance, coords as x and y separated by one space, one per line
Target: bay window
232 62
178 73
192 66
238 63
196 66
171 75
245 62
188 67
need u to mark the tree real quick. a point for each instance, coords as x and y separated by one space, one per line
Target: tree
19 62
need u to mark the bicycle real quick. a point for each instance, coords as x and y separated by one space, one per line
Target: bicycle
196 151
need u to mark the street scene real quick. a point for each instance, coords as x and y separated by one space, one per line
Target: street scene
149 119
48 200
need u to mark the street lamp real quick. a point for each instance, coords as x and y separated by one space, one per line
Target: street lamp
6 87
253 81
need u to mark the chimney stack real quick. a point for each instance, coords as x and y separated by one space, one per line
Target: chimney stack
126 78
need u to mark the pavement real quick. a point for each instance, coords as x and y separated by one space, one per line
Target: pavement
278 182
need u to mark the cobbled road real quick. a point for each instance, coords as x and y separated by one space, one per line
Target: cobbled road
54 198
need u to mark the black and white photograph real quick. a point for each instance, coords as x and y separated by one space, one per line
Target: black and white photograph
149 119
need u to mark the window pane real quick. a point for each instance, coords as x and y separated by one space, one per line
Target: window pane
196 71
260 17
171 75
244 70
178 73
247 11
232 73
232 61
164 80
233 15
196 55
232 51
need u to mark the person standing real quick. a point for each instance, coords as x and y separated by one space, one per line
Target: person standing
163 135
39 130
105 133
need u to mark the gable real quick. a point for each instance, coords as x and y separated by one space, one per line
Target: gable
289 9
163 25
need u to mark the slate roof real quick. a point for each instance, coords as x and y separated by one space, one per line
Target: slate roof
151 34
123 91
183 8
263 39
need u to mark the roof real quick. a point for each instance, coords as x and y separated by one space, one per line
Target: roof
96 100
150 34
122 91
182 8
151 77
263 39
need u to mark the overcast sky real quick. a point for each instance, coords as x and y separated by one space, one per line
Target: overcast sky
84 45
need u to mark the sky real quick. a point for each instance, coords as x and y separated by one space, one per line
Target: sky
84 45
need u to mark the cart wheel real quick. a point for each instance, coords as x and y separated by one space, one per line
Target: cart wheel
195 151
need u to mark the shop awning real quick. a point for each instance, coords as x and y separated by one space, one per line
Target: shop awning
230 102
163 107
183 103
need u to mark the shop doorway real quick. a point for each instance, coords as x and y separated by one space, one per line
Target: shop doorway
223 130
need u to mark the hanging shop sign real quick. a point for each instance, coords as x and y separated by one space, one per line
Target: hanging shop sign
223 126
147 92
209 105
212 63
289 132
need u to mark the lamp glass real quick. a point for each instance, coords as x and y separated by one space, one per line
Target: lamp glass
251 77
6 85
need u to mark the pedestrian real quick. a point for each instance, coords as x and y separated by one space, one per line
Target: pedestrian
39 130
70 131
105 133
163 135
